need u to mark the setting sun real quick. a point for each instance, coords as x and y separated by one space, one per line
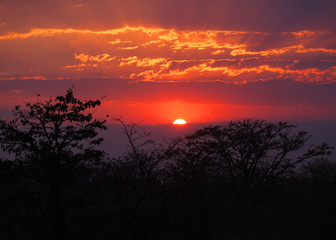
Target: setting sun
179 122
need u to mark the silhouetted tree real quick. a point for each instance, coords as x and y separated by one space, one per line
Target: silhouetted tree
139 183
55 140
318 186
321 171
251 155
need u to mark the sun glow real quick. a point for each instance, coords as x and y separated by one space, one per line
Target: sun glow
179 122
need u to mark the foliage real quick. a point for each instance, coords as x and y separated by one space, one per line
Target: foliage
54 141
247 158
56 126
254 150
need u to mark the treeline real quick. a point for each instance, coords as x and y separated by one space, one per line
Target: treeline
247 179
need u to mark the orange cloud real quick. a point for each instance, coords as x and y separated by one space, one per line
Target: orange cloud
23 78
128 61
297 49
242 51
301 49
98 58
128 48
207 72
158 54
89 61
301 34
48 32
145 62
149 62
118 41
218 52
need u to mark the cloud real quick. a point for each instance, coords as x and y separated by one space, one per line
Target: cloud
297 49
257 15
48 32
128 48
89 61
143 63
98 58
150 62
158 54
301 34
128 61
23 78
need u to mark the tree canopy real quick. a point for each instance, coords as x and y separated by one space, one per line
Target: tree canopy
54 140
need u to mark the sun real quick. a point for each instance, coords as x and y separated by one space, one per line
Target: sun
180 121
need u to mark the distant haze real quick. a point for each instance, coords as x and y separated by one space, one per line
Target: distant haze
116 142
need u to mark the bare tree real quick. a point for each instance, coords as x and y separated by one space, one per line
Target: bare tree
139 176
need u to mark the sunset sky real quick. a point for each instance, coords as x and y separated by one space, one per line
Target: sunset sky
159 60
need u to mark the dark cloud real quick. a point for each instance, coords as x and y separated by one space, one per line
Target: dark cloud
248 15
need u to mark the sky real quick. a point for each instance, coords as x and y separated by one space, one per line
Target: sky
158 60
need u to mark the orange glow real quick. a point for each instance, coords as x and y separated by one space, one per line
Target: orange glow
143 54
162 112
179 122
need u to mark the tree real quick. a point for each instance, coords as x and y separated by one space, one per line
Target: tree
251 155
255 151
318 190
139 183
56 140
